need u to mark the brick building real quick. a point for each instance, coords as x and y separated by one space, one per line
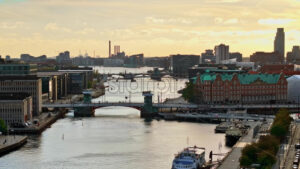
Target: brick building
262 58
240 88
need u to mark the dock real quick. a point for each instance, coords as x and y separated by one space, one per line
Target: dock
11 143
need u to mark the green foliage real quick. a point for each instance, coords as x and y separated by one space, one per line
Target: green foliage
264 152
281 124
3 127
188 92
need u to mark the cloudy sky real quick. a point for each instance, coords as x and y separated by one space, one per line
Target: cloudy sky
152 27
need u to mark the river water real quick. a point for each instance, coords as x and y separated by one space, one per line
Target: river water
116 138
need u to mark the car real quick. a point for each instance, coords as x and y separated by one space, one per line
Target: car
295 166
297 146
296 162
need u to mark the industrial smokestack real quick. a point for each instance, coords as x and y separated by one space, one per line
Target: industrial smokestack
109 48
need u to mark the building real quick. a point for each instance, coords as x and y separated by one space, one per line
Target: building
64 58
208 57
294 55
116 49
134 61
54 84
212 88
216 68
276 68
31 59
279 42
29 84
181 63
11 68
293 89
236 55
262 58
221 53
15 108
113 62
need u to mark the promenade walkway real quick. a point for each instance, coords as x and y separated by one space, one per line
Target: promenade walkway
232 160
10 143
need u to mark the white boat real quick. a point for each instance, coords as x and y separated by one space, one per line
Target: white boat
189 158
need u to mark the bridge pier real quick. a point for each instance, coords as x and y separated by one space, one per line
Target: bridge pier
85 111
148 111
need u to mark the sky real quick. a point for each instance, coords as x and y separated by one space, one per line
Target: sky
152 27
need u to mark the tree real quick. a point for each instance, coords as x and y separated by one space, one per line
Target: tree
188 92
3 127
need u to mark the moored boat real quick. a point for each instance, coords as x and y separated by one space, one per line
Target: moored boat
189 158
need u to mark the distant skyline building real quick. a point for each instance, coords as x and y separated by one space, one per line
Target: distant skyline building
208 56
279 42
116 49
294 55
236 55
221 53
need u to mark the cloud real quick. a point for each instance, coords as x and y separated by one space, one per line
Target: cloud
9 25
273 21
55 27
178 20
219 20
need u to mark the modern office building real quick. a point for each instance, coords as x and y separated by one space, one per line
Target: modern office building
15 108
13 68
279 42
214 88
181 63
54 83
29 84
221 53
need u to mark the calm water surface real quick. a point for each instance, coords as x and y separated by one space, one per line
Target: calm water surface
116 138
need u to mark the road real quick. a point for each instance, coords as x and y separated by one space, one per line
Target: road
291 152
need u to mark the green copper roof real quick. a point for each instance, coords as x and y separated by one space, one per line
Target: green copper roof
243 78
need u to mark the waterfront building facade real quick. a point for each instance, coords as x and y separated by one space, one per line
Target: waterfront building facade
15 108
212 88
30 84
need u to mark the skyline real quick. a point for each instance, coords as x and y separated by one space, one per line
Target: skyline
155 28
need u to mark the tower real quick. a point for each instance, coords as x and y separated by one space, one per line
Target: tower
279 42
221 53
109 49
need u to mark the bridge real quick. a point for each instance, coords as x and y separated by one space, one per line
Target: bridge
170 105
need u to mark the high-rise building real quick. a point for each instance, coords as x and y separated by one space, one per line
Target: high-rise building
116 49
279 42
221 53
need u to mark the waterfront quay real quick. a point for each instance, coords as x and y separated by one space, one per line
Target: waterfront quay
9 143
45 120
231 161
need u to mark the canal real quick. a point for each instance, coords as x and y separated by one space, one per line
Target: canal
116 137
